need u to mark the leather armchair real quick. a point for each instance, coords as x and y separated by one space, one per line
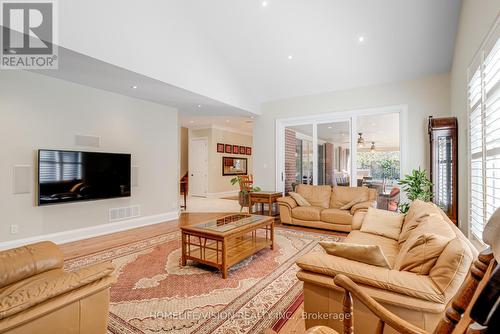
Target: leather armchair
38 296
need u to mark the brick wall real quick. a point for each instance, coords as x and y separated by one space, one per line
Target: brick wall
329 164
290 168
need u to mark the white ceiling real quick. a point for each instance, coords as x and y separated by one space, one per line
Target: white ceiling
403 39
235 53
382 129
243 125
88 71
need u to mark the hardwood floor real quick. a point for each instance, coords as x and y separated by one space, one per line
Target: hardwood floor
295 325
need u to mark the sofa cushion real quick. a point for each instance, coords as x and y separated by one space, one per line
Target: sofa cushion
419 210
421 253
307 213
452 266
383 222
402 282
389 246
315 195
301 201
369 254
336 216
344 195
26 261
349 205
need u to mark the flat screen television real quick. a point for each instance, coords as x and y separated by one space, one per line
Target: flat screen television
69 176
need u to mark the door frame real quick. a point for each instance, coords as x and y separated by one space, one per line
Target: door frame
204 167
338 116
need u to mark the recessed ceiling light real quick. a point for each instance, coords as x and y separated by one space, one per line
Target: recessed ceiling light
290 57
264 3
361 39
134 87
191 122
199 105
329 127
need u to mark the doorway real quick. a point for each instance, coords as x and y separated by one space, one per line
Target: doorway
198 166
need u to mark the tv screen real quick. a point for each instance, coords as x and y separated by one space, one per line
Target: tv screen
68 176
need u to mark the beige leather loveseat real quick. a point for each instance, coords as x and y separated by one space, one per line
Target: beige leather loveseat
38 296
418 298
332 208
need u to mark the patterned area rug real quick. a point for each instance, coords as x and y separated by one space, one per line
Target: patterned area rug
154 294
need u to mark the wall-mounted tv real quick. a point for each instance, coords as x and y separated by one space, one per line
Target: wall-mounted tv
69 176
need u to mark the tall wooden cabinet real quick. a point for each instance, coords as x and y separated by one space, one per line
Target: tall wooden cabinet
443 135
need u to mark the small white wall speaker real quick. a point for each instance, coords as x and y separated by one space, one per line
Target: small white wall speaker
90 141
134 176
22 179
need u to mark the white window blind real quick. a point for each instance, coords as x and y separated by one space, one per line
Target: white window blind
484 135
58 166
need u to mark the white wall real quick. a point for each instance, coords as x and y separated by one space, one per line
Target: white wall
476 19
41 112
424 97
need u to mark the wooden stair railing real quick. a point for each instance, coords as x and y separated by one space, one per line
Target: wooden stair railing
184 188
453 315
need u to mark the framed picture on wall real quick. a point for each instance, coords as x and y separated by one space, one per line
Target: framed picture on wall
248 151
243 150
228 148
236 149
220 148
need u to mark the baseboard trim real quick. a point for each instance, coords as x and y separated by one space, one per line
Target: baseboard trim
93 231
223 194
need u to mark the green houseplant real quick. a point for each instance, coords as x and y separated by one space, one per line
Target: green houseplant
416 185
243 198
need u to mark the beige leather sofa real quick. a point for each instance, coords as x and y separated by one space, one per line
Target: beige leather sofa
419 299
38 296
326 202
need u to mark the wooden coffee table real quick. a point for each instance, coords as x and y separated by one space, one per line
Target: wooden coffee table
224 242
264 197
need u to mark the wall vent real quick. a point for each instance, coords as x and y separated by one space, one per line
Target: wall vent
90 141
128 212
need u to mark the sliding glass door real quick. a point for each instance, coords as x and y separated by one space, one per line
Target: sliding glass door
341 149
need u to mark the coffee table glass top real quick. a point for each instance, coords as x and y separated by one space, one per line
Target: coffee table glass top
229 223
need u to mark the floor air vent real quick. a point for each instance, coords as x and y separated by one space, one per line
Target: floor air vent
128 212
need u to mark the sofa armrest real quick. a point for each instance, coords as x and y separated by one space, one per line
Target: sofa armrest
357 219
363 206
402 282
24 294
288 201
286 204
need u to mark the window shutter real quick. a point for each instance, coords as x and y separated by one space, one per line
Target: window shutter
484 134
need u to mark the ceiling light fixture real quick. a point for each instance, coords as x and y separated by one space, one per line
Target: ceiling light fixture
199 105
134 87
361 141
372 148
191 122
290 57
264 3
361 39
329 127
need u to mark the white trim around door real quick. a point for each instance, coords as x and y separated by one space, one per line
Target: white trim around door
198 167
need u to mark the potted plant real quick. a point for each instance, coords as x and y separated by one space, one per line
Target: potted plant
245 188
417 186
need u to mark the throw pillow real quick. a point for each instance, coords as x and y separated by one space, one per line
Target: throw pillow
301 201
383 222
370 254
349 205
421 252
